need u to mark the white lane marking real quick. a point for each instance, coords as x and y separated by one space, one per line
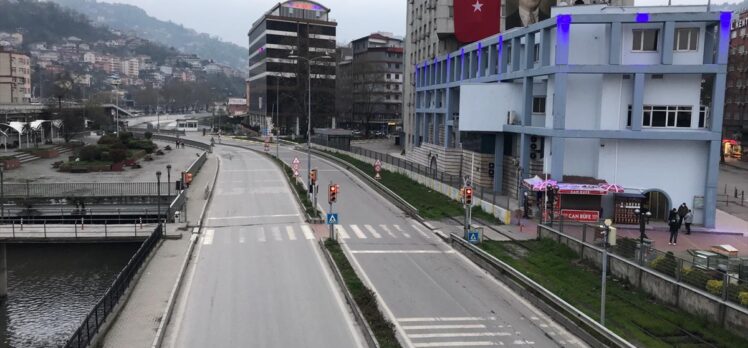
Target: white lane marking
522 342
208 239
360 234
308 234
291 234
421 231
242 231
409 320
342 232
399 229
455 344
402 251
373 231
261 236
461 334
387 229
336 293
276 233
383 305
252 217
442 327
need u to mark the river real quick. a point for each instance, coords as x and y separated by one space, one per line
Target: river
52 287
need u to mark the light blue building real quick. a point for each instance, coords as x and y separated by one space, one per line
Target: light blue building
629 95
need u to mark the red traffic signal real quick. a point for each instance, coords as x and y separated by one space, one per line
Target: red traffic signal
332 193
468 195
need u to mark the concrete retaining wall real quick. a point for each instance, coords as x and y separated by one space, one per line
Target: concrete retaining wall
662 287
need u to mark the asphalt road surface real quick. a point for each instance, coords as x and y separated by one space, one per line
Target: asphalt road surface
258 279
433 295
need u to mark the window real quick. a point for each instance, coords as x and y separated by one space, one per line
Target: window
664 116
686 39
538 105
703 117
742 32
536 53
645 40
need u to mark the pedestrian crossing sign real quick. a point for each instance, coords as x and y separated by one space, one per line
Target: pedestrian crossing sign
332 219
473 237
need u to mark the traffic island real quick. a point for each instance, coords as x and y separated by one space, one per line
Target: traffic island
431 205
365 300
630 313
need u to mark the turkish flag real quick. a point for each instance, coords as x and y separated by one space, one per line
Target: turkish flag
476 19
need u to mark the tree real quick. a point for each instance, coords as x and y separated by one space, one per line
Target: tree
73 122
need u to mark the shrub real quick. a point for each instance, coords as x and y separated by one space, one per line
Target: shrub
695 277
148 135
665 264
109 139
117 155
714 287
743 296
126 137
90 153
627 247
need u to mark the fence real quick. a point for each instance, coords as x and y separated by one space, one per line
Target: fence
73 190
94 321
71 214
718 296
445 183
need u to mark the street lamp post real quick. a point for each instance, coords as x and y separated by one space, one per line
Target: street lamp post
168 190
158 200
606 232
643 214
2 194
309 110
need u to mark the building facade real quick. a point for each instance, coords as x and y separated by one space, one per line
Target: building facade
371 83
735 128
281 43
628 97
15 78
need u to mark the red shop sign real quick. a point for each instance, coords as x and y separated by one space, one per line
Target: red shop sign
581 215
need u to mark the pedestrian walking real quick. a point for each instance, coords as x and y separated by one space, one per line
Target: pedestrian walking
682 211
673 223
688 220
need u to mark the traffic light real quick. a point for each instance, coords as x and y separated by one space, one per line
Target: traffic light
313 176
332 194
469 195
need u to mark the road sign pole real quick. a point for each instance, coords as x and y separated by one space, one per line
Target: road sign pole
332 226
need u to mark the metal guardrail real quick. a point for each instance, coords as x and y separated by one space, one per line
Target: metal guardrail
574 319
106 305
72 190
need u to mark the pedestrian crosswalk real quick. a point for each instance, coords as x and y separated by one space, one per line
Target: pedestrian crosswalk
301 232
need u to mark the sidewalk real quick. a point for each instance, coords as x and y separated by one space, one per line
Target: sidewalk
739 164
139 319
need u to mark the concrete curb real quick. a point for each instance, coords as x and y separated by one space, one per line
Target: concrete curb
161 333
371 340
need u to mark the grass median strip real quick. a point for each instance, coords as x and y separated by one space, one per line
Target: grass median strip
430 204
630 313
365 299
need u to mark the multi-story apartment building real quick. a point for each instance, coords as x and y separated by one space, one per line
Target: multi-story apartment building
15 78
632 97
281 43
130 67
371 82
735 127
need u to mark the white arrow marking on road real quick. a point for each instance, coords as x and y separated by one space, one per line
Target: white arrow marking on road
308 234
342 232
387 229
208 239
360 234
291 234
373 231
397 227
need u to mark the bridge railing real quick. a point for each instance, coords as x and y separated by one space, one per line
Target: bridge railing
95 320
93 189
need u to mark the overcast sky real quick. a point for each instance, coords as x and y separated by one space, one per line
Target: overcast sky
231 19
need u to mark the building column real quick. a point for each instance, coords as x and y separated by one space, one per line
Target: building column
527 96
435 120
524 154
710 192
637 107
447 116
667 42
498 163
3 271
557 158
616 36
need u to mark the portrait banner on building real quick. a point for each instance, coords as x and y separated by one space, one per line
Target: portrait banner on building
521 13
476 19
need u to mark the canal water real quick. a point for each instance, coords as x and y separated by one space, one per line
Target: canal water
52 287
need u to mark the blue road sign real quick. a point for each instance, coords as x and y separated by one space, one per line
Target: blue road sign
473 237
332 219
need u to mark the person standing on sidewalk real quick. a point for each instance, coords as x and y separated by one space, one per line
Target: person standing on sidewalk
688 220
674 226
682 211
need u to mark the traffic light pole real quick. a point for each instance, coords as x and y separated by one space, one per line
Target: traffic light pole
332 226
